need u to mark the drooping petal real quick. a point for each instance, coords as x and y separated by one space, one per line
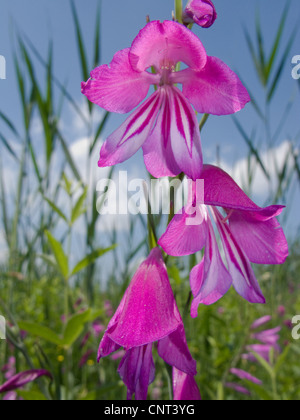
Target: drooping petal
239 267
261 321
184 387
22 379
117 88
216 89
202 12
137 371
149 312
186 234
171 42
263 242
107 345
174 350
209 280
185 135
158 155
268 336
237 388
242 374
131 135
222 191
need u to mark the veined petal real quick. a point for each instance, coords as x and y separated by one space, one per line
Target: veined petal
184 387
263 242
202 12
132 134
174 350
209 280
149 312
185 135
117 88
216 89
239 267
137 371
158 154
186 234
169 41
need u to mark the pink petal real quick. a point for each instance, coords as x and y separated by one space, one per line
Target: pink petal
149 313
268 336
216 89
184 387
22 379
182 238
185 135
239 267
210 279
263 242
174 350
237 388
130 136
117 88
137 371
261 321
241 374
158 155
171 42
202 12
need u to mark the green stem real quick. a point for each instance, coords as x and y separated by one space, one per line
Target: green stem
178 10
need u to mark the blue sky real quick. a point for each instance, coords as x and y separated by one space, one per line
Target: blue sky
42 20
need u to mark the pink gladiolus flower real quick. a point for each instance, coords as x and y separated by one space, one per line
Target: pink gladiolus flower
23 378
165 125
202 12
268 336
147 314
249 234
184 387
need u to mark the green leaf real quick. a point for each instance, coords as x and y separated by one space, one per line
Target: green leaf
268 368
41 332
82 54
79 208
59 254
56 209
75 327
90 259
31 395
259 390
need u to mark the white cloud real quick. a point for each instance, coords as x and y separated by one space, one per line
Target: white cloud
273 160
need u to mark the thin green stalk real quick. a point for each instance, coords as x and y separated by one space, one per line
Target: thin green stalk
178 10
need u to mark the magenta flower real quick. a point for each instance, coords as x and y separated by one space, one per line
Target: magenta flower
165 125
147 314
202 12
249 234
238 388
23 378
184 387
261 321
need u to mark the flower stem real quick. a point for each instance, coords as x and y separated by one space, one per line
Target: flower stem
178 10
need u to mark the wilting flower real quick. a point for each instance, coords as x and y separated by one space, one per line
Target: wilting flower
184 386
202 12
249 234
165 125
147 314
23 378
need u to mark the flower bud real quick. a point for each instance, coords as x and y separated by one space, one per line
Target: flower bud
202 12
